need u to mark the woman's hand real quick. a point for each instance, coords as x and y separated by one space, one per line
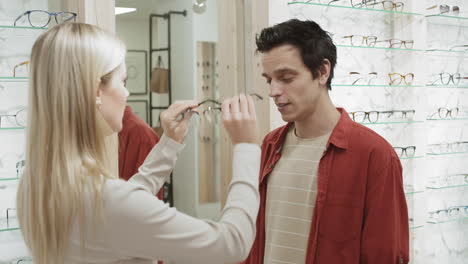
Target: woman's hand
174 127
240 119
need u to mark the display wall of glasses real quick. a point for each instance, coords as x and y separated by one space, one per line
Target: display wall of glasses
16 39
402 72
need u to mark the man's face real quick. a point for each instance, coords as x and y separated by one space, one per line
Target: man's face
295 92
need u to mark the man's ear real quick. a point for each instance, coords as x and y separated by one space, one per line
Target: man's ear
324 71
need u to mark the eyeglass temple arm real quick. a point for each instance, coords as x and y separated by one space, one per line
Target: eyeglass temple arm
16 20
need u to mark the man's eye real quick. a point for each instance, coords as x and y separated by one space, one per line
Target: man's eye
287 80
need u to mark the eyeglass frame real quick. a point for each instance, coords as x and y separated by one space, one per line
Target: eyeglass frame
389 112
363 38
449 113
402 77
50 15
447 8
15 115
401 42
394 5
358 79
449 146
451 77
404 151
18 65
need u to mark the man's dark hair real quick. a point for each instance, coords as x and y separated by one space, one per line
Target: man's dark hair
314 43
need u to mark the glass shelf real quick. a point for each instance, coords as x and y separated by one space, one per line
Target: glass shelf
447 187
10 225
413 192
416 227
14 79
395 122
13 128
446 87
448 221
416 157
445 154
391 86
378 48
8 179
449 51
448 119
356 8
21 27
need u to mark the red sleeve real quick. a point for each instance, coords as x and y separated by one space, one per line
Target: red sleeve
385 236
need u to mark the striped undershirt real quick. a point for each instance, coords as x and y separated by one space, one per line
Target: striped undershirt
290 201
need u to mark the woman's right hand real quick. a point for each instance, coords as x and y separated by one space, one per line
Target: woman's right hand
174 127
240 119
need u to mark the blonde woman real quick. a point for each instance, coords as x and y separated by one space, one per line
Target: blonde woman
72 207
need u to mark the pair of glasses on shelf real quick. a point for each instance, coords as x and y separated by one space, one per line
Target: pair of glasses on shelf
17 118
445 9
395 78
448 147
444 78
8 159
42 18
450 213
385 5
444 113
448 180
374 116
405 152
22 67
371 41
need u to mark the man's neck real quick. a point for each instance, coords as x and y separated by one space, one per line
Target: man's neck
322 122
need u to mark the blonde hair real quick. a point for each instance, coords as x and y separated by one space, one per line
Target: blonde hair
69 151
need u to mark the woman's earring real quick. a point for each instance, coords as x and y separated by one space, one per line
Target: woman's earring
98 103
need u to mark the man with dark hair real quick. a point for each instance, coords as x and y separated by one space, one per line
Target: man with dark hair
331 189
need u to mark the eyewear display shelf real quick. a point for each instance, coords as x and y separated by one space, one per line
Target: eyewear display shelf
437 46
15 47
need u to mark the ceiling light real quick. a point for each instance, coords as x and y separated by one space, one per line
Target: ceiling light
123 10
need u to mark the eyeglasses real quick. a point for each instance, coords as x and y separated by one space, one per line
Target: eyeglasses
447 78
444 9
358 78
24 63
215 108
445 113
448 180
373 116
405 151
396 78
448 147
358 40
385 5
8 159
41 18
19 116
397 43
448 214
463 47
